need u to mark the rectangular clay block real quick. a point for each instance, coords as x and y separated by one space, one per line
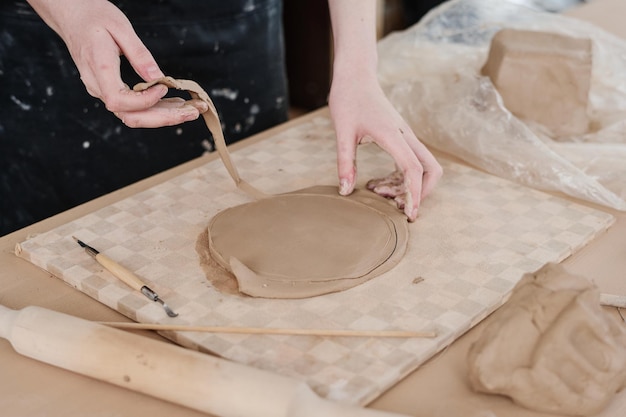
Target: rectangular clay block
542 77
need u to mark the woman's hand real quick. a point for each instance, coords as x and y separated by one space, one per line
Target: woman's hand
97 33
361 111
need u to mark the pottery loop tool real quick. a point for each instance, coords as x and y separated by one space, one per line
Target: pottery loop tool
125 275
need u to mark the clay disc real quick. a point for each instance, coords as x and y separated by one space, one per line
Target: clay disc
308 243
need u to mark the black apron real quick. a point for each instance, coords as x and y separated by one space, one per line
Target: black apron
60 147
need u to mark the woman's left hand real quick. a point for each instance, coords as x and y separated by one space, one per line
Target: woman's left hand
362 113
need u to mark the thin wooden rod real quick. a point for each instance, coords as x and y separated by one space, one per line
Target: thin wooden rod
261 330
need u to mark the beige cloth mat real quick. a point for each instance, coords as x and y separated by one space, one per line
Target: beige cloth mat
476 236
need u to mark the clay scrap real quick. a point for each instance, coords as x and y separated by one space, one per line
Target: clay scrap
543 78
551 347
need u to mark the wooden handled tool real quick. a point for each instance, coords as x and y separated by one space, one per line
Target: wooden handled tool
165 371
125 275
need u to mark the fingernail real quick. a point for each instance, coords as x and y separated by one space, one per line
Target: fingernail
154 73
164 90
411 214
344 187
202 106
190 114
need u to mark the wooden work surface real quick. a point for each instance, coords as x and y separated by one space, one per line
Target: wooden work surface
477 236
438 388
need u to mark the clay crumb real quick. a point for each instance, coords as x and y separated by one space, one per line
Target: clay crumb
418 280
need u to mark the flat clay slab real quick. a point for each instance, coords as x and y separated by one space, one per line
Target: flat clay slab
307 243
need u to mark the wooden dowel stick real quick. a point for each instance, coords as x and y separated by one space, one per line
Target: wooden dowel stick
275 331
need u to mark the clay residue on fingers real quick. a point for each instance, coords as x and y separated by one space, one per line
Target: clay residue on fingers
396 188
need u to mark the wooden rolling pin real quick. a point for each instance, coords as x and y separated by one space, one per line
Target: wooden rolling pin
165 371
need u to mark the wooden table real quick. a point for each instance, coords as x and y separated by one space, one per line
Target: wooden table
439 388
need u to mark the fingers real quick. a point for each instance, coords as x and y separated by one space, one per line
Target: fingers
346 161
97 33
101 76
115 94
137 54
432 171
417 169
397 144
133 107
167 112
420 168
100 72
391 187
124 99
360 111
140 58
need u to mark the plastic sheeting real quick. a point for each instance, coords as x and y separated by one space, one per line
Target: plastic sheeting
431 72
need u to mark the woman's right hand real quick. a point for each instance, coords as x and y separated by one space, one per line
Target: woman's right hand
97 33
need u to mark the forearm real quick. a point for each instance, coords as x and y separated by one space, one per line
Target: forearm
53 12
354 37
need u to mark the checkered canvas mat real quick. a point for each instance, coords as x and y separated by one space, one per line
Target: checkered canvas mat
475 238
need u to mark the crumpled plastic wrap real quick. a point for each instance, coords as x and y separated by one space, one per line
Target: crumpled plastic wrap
431 73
